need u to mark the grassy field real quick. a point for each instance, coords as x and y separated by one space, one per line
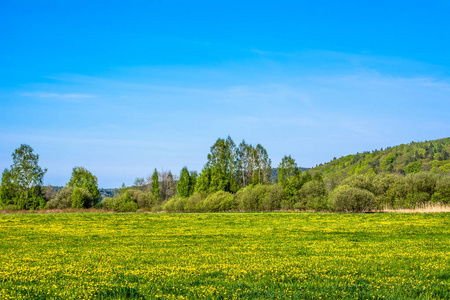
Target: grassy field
225 256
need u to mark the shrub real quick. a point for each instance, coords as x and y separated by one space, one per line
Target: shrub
81 198
175 204
312 195
219 201
143 200
390 190
359 181
423 184
442 190
352 199
395 195
63 199
251 197
194 202
273 198
120 203
107 202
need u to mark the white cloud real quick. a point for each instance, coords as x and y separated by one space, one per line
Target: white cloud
56 95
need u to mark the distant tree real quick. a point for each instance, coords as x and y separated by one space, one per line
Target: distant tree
203 181
139 183
84 179
21 186
221 162
265 165
289 176
49 192
183 185
192 182
155 185
167 187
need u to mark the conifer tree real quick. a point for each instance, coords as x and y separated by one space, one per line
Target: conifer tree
155 185
183 186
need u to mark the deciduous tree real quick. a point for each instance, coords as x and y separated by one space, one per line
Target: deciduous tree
21 186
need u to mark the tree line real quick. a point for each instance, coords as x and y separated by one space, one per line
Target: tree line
239 178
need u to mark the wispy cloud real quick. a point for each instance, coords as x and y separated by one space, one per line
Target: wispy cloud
56 95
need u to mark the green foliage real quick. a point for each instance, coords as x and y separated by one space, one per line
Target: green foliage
84 179
77 198
192 182
413 167
251 197
144 200
8 196
175 204
194 203
312 196
121 203
219 201
273 198
183 186
221 162
63 199
352 199
405 158
359 181
21 185
203 180
252 165
289 177
155 186
442 190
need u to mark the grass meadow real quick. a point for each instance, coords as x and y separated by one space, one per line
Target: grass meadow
225 256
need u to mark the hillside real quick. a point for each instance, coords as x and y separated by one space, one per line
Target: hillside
433 156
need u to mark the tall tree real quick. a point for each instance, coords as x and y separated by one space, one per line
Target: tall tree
82 178
253 165
243 163
203 181
167 186
139 183
289 176
22 185
155 185
183 185
192 182
221 162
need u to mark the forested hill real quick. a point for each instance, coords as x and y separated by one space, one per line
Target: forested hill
431 156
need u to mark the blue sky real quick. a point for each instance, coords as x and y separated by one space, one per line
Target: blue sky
123 87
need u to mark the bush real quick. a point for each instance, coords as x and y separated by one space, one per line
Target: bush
121 203
390 190
81 198
219 201
107 202
143 200
395 195
175 204
359 181
194 202
442 190
273 198
352 199
312 195
423 184
251 197
63 199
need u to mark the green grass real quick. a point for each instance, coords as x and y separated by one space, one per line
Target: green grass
223 256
